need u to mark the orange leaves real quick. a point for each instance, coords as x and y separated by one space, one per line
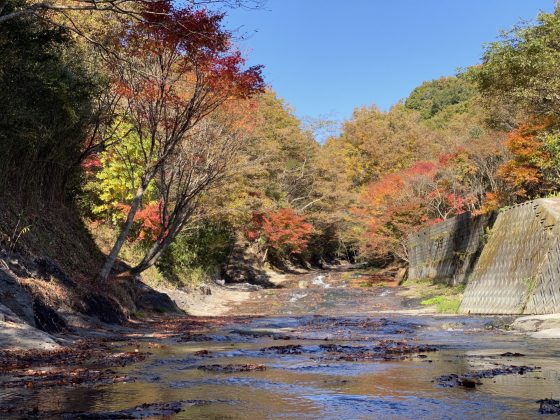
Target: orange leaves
523 142
391 207
148 221
523 172
284 230
400 203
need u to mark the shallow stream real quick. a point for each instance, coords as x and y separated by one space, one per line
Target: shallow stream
329 364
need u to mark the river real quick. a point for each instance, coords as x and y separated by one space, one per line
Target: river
321 348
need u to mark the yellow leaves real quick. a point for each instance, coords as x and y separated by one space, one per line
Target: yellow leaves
116 181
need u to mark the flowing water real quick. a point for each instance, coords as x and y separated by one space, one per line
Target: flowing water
329 350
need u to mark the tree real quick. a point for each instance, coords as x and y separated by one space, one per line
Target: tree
376 142
530 172
447 94
519 74
283 231
46 103
173 69
62 11
199 164
392 207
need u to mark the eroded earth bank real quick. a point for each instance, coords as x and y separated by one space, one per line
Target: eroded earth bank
333 344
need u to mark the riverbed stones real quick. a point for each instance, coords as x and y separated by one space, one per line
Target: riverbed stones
232 368
473 379
549 406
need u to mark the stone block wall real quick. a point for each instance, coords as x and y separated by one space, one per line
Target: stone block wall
448 251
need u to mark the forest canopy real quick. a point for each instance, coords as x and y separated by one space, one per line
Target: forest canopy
147 122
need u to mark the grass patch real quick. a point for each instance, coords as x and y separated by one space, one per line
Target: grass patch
444 304
445 298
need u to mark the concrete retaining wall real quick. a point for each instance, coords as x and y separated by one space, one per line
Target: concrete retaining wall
512 268
518 271
447 251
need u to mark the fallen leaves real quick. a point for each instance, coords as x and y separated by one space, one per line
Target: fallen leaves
86 363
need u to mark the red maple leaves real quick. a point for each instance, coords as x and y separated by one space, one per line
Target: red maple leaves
283 230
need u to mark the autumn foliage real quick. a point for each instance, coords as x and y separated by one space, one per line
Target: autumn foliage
148 221
283 231
391 207
522 173
194 42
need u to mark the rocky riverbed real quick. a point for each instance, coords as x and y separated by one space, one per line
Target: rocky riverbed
336 344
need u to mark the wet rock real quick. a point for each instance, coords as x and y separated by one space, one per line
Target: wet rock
453 380
383 350
261 334
469 382
281 337
92 354
232 368
138 412
148 299
549 406
34 379
15 297
472 379
510 354
105 308
289 349
403 347
198 338
46 318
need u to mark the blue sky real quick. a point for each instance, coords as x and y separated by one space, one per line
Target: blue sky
325 57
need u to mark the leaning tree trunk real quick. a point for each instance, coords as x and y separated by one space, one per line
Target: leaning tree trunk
167 236
154 253
151 257
112 257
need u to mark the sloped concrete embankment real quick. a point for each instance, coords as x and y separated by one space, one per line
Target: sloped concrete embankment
510 262
518 271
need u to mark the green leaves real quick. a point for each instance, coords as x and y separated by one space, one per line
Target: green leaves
520 71
115 182
445 94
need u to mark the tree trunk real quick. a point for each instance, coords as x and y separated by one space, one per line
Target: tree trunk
149 259
112 257
153 255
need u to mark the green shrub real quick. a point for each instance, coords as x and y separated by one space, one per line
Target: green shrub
196 254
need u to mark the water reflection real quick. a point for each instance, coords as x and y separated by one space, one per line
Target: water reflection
310 385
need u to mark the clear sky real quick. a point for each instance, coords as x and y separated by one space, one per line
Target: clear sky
325 57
